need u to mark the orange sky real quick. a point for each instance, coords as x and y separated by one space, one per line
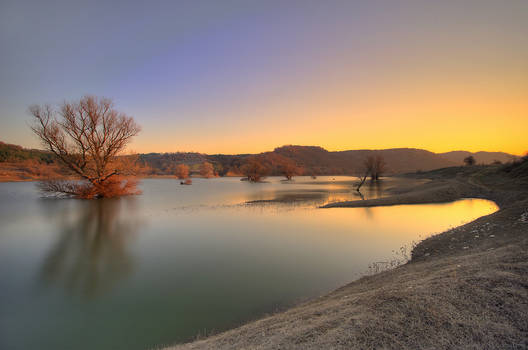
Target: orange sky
474 111
241 77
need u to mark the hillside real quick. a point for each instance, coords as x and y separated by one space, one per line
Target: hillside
15 153
311 160
457 157
22 164
318 161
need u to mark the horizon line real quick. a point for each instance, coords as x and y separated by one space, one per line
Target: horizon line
293 145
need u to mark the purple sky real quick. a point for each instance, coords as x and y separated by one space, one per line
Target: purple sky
237 76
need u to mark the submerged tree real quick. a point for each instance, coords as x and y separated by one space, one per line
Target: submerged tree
373 165
206 170
181 171
253 169
381 166
376 165
88 137
289 169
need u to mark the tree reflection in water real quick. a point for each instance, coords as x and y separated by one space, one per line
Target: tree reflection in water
90 255
376 189
372 189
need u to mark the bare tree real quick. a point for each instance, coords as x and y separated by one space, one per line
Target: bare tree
368 166
379 167
206 170
254 170
181 171
373 165
88 138
470 160
220 169
289 169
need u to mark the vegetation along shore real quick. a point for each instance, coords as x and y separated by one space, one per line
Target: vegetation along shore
21 164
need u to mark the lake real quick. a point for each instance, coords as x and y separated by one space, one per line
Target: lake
181 261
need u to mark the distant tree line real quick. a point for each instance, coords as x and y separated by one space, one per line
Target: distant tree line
287 161
14 153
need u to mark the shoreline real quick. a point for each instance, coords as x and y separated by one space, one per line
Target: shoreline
428 193
463 288
173 177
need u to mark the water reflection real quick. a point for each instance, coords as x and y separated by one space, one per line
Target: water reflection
373 189
200 259
90 254
317 193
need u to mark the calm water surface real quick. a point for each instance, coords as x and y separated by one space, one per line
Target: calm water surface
178 261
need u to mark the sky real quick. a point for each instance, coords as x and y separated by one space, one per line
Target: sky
249 76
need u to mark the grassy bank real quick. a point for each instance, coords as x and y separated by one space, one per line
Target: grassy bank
465 288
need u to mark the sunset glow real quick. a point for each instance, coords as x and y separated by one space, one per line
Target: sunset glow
246 77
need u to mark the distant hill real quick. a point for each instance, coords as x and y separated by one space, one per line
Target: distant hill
22 164
311 159
15 153
398 160
165 163
457 157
